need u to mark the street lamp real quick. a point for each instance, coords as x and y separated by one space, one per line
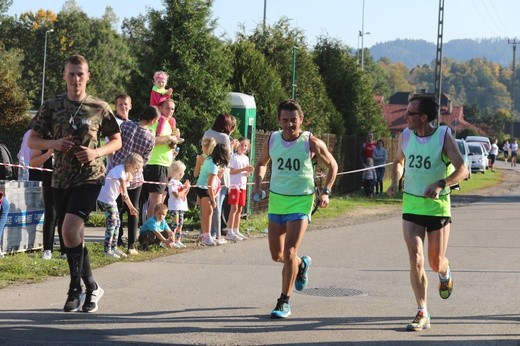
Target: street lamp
362 34
44 60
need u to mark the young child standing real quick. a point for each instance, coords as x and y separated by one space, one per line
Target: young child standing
155 230
116 183
207 146
205 189
240 169
369 177
159 92
177 203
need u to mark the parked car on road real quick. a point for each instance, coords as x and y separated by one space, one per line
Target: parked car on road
464 151
478 158
480 139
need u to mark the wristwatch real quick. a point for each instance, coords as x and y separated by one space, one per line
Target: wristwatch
326 191
441 183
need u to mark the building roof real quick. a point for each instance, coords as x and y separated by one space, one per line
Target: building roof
395 115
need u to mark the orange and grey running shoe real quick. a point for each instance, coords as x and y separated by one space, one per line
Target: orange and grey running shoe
445 287
419 323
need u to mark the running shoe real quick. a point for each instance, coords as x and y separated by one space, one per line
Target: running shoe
420 322
74 301
47 255
281 310
132 252
302 277
445 287
92 299
180 244
175 245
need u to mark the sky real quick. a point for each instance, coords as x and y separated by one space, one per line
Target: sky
346 20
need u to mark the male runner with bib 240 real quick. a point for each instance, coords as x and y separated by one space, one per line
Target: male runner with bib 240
291 195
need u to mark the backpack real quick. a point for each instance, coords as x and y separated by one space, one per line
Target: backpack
7 172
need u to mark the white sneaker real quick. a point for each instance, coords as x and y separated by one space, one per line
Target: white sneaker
47 255
208 241
119 252
175 245
240 235
111 253
180 244
221 241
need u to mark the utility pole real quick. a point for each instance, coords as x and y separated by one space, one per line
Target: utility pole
265 11
438 59
362 33
513 82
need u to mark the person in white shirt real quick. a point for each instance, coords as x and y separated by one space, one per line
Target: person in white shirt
178 202
116 182
240 169
493 152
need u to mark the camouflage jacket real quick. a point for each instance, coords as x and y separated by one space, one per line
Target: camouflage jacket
86 121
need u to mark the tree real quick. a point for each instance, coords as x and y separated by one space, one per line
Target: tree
349 88
179 40
4 6
253 75
276 44
13 104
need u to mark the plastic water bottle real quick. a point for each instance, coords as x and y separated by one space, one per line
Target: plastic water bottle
23 173
257 196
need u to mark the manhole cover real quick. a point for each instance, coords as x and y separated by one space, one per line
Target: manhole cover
332 292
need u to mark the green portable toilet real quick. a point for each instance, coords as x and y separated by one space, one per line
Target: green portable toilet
243 107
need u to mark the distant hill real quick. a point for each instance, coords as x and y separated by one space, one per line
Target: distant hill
420 52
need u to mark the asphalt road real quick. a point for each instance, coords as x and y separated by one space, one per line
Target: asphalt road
358 292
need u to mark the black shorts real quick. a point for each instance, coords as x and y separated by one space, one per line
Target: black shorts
79 200
201 192
432 223
156 173
514 154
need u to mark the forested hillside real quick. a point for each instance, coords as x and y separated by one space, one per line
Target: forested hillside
419 52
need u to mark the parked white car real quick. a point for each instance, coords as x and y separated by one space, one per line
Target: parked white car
464 151
480 139
478 157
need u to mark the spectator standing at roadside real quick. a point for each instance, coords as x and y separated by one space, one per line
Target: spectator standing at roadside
205 190
493 152
44 158
380 155
291 195
123 104
161 158
426 151
178 201
239 169
4 211
116 183
136 139
507 150
221 130
514 152
74 121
